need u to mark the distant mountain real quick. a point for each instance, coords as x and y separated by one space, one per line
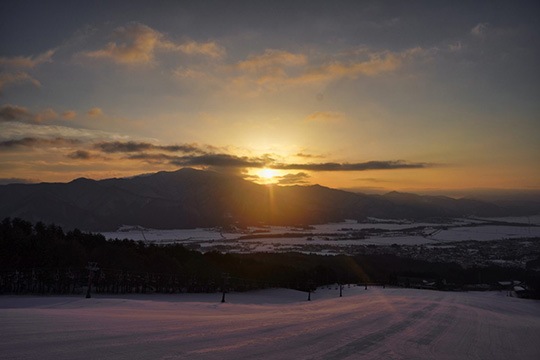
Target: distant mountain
190 198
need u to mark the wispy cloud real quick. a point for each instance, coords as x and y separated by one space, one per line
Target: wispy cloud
275 69
271 59
325 116
37 142
30 62
137 44
293 179
132 146
221 160
369 165
479 29
378 63
19 77
12 69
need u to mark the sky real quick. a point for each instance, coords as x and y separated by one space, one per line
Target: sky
361 95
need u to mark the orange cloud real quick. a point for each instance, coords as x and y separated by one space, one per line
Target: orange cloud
16 78
378 63
276 68
71 114
194 48
325 116
95 112
21 62
47 114
138 44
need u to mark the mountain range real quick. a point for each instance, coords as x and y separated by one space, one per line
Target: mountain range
189 198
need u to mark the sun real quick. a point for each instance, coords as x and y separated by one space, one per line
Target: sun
267 174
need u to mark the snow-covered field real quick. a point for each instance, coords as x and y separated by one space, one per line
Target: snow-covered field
338 237
377 323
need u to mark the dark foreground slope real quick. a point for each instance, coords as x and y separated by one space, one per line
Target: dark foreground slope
190 198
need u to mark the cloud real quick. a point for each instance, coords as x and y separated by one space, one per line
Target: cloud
479 30
309 156
210 49
374 180
205 160
220 160
292 179
369 165
16 113
37 142
276 68
13 65
5 181
325 116
132 146
21 62
377 64
137 44
455 47
204 156
19 77
271 59
70 114
80 155
234 161
47 114
95 112
22 114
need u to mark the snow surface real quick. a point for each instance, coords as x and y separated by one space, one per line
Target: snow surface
335 238
391 323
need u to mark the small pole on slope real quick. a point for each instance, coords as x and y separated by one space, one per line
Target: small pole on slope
224 288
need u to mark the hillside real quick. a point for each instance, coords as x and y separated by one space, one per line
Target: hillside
376 323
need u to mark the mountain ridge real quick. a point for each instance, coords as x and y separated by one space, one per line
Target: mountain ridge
190 198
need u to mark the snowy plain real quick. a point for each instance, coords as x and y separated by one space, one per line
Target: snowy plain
376 323
337 238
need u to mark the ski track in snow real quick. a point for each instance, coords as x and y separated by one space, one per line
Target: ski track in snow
377 323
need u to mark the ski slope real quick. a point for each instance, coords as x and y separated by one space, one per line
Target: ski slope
376 323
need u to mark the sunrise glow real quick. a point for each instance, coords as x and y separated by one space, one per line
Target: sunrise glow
377 99
267 174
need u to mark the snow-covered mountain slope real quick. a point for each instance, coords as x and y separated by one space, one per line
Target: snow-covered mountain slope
273 324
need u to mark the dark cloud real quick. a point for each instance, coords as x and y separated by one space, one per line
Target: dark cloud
17 113
292 179
80 155
21 114
369 165
207 160
5 181
132 146
374 180
233 161
221 160
155 158
36 142
310 156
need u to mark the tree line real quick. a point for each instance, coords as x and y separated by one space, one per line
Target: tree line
42 259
